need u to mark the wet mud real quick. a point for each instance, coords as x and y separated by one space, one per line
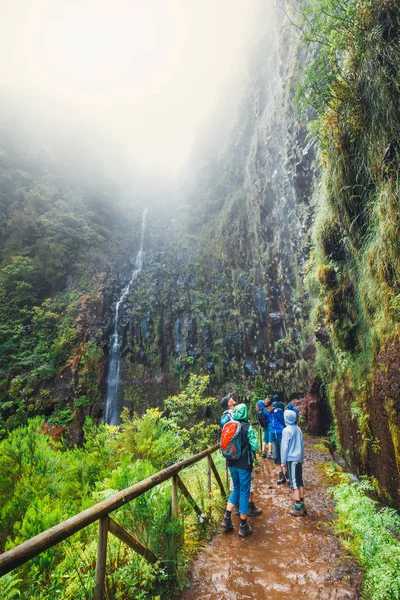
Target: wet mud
285 557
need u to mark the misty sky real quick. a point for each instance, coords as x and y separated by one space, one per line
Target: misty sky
148 70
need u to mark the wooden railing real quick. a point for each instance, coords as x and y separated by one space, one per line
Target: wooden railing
100 512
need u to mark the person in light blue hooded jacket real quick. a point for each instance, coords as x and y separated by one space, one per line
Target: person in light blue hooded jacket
276 403
292 456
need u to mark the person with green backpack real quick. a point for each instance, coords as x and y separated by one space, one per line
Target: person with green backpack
238 445
228 403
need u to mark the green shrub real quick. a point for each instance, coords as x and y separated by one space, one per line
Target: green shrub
43 483
153 438
371 533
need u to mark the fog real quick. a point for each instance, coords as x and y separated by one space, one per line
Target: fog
147 72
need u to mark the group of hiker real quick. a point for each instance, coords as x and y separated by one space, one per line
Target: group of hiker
282 441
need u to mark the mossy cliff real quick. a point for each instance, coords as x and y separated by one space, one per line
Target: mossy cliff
221 289
355 263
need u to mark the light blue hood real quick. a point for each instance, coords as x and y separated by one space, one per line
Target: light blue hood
290 417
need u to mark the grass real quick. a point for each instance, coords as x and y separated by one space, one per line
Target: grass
322 447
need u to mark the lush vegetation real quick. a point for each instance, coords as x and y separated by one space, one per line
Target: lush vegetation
369 531
55 230
353 83
43 482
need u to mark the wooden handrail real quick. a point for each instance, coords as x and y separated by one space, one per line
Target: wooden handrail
47 539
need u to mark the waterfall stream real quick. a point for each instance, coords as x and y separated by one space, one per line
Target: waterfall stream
112 413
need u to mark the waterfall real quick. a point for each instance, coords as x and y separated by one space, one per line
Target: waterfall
112 405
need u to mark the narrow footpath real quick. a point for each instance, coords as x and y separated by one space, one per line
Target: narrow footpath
285 557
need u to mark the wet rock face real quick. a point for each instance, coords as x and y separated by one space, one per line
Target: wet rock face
232 303
374 447
309 351
314 409
91 316
384 413
83 375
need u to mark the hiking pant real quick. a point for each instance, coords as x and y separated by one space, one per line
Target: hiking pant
241 488
252 486
267 438
276 447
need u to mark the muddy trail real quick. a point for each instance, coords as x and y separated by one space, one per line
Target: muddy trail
285 557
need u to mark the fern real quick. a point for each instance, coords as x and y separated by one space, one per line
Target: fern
8 587
371 534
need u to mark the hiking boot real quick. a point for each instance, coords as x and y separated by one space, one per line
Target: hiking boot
282 478
263 455
227 524
253 510
245 530
287 477
298 512
270 455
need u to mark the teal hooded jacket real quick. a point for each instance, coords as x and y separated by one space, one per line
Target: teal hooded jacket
240 413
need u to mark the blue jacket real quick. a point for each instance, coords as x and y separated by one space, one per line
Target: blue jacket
226 416
277 422
263 410
278 404
292 445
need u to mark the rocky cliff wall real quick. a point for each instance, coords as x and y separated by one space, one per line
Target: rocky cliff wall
222 287
354 273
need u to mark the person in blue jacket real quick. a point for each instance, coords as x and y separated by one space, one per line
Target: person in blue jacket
267 432
294 409
292 456
277 424
276 403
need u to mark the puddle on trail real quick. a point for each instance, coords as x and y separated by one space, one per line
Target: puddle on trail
285 557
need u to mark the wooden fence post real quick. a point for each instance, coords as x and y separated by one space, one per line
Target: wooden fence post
188 497
174 501
209 477
217 477
98 593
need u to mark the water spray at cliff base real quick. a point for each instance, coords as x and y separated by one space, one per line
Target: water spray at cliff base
112 412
